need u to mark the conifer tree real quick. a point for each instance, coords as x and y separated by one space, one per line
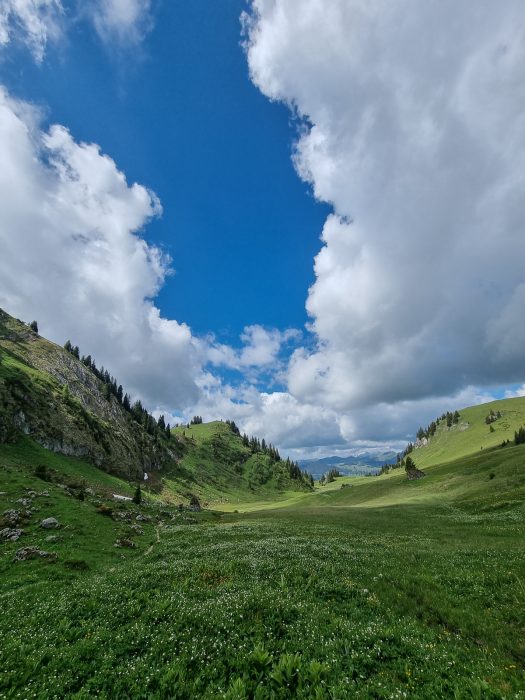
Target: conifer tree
137 496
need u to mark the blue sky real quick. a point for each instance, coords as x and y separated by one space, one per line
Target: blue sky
319 235
180 115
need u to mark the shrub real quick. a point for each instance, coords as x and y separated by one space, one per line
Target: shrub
42 473
77 564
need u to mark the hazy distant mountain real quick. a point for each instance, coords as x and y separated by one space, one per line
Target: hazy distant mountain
354 465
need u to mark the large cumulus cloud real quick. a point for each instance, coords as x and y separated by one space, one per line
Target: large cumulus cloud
72 256
414 130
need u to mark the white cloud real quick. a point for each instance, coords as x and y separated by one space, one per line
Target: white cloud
415 133
127 21
260 350
72 257
36 23
515 393
32 22
277 416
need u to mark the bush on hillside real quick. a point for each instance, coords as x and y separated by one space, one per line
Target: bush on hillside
519 436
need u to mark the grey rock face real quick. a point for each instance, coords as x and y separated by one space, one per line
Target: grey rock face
414 474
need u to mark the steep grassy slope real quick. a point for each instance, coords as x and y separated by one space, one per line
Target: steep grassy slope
47 393
50 395
472 434
221 470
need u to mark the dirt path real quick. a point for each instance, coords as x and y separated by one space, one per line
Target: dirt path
157 537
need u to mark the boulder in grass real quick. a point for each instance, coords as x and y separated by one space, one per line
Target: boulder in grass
413 474
11 534
195 505
12 517
50 524
33 553
143 518
25 502
125 542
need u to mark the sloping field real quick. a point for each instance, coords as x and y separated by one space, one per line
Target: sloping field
472 434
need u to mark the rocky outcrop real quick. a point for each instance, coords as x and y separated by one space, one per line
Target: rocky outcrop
11 534
33 553
80 421
413 474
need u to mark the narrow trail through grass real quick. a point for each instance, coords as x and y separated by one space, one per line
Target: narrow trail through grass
149 550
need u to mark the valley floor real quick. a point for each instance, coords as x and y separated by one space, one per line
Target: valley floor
349 592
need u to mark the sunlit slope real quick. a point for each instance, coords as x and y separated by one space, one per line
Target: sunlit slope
486 482
472 434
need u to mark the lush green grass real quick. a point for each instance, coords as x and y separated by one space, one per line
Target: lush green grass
472 434
290 604
385 589
86 535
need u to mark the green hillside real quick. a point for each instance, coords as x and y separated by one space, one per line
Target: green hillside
223 471
472 434
64 403
59 400
492 481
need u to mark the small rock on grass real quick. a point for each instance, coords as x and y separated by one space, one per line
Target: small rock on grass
50 523
33 553
125 542
12 517
143 518
11 534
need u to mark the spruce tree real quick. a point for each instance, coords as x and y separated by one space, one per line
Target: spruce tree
137 496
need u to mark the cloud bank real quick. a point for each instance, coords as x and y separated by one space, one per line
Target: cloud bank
413 129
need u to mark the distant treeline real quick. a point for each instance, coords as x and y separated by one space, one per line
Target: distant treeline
330 476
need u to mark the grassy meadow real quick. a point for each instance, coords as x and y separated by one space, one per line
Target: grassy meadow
381 589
